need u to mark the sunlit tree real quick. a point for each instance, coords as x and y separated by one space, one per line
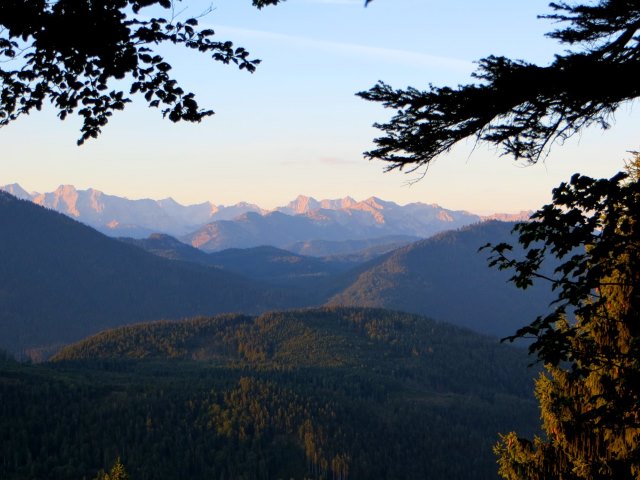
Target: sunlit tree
590 392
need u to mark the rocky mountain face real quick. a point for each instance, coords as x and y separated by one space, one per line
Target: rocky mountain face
117 216
521 216
17 191
306 219
211 227
303 219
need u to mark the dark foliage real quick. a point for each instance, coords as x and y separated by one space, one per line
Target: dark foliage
331 393
73 53
522 107
590 342
76 53
589 396
592 229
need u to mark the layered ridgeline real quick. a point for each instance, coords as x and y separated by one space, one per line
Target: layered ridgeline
328 221
264 263
356 249
444 277
326 393
216 227
61 281
447 278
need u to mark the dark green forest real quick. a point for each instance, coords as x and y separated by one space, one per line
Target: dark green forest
330 393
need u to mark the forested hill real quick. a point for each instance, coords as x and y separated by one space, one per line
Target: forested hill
61 281
445 356
332 393
445 277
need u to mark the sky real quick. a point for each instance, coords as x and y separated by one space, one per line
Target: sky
296 127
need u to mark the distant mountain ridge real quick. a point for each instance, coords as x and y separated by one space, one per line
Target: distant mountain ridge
118 216
216 227
306 219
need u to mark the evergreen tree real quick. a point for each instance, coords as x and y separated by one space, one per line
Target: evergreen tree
590 343
117 472
590 394
520 106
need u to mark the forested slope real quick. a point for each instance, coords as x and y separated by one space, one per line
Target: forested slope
61 280
327 393
445 277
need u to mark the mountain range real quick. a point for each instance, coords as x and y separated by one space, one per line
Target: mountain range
118 216
61 280
216 227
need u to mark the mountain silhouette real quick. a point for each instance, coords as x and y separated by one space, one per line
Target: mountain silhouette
61 280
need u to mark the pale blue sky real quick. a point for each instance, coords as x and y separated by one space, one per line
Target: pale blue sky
295 125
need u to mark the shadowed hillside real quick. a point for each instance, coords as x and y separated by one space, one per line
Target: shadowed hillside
169 247
309 277
364 249
61 281
445 277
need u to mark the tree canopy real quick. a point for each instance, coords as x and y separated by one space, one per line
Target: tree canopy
589 396
117 472
592 229
521 107
72 53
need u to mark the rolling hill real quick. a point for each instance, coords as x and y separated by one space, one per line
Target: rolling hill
344 393
345 337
